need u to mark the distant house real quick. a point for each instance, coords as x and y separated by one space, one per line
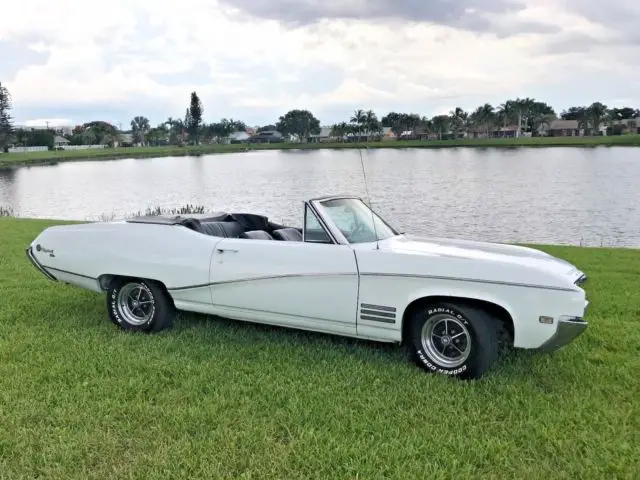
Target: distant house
564 128
323 136
627 125
387 134
239 137
60 142
126 140
510 131
268 136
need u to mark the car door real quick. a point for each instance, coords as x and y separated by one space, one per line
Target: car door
308 284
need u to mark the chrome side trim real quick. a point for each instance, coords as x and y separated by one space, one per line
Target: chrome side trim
377 313
465 279
374 274
266 277
70 273
271 312
39 266
568 329
383 308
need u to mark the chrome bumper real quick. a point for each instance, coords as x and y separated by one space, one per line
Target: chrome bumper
569 328
40 268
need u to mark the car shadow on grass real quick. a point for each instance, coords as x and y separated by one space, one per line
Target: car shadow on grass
512 363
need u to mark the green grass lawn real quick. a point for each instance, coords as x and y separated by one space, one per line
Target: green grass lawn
9 159
221 399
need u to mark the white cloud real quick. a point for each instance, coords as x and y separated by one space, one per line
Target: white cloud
119 61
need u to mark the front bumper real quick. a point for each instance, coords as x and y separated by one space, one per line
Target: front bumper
37 264
568 329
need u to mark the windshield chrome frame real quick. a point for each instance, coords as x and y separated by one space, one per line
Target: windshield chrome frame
329 229
327 223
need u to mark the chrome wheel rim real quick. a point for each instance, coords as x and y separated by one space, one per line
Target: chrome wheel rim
135 303
446 340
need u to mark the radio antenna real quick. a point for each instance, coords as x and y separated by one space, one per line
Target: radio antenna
366 189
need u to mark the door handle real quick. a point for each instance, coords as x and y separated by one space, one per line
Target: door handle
222 250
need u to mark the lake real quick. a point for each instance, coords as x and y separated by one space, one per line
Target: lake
588 196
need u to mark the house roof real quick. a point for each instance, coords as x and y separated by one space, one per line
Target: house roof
268 133
560 124
59 139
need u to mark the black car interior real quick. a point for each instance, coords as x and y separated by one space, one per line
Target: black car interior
234 225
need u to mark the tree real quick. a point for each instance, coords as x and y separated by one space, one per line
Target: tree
441 124
596 113
339 130
484 117
372 124
401 122
580 114
176 127
40 138
193 119
458 119
300 123
140 127
624 113
6 122
97 132
157 135
358 120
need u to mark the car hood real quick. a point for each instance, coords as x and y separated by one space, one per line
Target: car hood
483 252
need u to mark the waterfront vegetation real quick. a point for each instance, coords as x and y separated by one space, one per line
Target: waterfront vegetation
222 399
54 156
515 122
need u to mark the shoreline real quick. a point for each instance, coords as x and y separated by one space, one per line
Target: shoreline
16 160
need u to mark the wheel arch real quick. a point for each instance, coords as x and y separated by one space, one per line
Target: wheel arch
106 279
493 308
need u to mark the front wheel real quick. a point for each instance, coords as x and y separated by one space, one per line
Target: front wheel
139 305
452 339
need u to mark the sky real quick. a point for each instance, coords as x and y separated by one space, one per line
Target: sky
68 62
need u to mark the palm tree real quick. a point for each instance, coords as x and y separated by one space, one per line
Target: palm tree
372 124
358 119
340 130
140 127
458 119
484 116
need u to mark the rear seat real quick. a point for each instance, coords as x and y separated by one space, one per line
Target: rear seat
222 229
257 235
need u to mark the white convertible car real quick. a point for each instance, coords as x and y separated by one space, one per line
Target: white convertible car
454 303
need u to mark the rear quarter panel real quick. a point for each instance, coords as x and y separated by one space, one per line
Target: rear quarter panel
171 254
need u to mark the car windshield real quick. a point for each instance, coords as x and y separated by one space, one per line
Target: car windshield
356 220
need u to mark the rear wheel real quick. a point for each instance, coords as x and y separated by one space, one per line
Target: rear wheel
453 339
139 305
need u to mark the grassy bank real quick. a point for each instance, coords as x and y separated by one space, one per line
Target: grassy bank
221 399
34 158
